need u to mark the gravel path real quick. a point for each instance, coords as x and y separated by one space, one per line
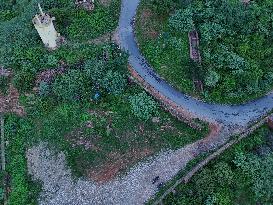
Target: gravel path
228 115
134 188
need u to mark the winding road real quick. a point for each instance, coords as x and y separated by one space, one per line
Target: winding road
240 115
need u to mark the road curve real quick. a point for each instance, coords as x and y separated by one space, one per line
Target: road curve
240 115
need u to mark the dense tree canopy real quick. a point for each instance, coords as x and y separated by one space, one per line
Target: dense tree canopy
235 46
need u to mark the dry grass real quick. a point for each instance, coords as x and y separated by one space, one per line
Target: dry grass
117 163
10 103
149 30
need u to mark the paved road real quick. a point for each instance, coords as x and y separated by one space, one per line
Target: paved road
226 114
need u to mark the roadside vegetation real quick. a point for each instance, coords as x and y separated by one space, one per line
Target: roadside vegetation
242 175
235 46
79 98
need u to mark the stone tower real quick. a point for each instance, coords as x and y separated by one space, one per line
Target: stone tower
45 27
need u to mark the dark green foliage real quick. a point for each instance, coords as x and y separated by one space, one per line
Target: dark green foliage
18 132
70 86
114 82
143 106
162 7
239 176
3 83
81 25
24 80
235 45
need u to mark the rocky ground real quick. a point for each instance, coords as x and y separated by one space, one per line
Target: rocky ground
135 187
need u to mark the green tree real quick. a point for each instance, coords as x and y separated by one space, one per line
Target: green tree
260 173
70 86
211 31
114 82
182 20
143 106
212 78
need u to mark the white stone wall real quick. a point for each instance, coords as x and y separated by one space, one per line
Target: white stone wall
46 30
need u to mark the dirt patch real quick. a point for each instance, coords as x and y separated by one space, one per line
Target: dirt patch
208 142
116 164
106 38
10 103
49 75
148 30
78 138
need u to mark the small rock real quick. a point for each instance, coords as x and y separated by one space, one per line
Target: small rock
155 119
89 124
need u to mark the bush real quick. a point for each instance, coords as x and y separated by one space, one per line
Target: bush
212 78
182 20
143 106
44 88
70 86
114 82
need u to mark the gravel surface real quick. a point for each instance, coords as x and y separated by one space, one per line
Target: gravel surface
135 187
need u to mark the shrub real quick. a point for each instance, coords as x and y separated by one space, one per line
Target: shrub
51 61
70 86
94 69
44 88
114 82
212 78
182 20
143 106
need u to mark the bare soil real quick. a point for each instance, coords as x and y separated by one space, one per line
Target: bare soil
116 164
10 103
149 32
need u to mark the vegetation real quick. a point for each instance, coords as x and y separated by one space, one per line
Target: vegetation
234 44
84 105
242 175
143 106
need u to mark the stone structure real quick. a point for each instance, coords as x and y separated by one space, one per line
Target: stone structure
194 46
45 27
